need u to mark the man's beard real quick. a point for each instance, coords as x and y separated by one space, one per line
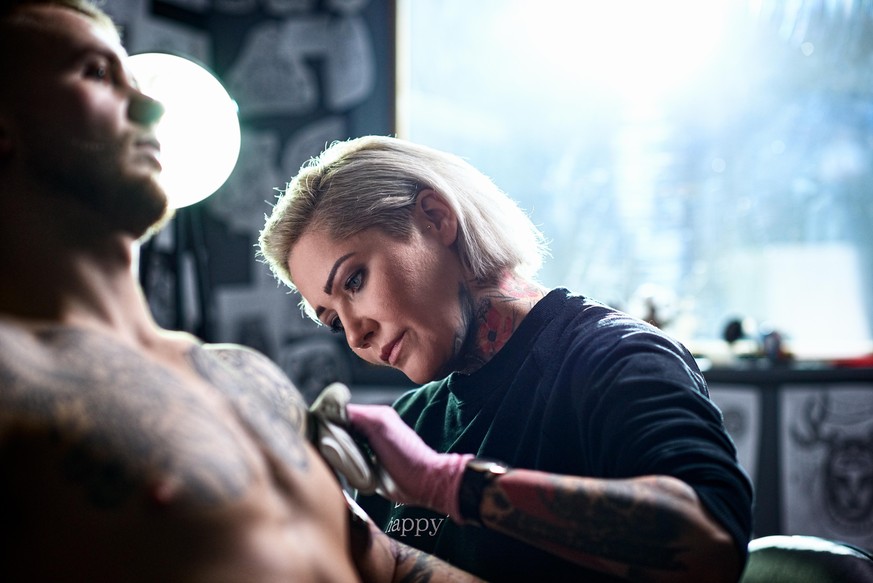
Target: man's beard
95 175
135 205
158 225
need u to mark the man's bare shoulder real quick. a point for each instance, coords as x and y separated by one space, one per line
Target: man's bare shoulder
247 376
261 373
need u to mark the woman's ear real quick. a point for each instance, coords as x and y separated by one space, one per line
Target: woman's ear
434 215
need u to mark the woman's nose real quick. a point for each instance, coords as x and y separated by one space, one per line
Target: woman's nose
359 332
144 110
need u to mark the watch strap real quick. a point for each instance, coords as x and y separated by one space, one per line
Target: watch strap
478 473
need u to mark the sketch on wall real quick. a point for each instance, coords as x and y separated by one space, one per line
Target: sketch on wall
741 408
146 33
827 462
303 74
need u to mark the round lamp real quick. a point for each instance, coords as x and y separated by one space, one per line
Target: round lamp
199 133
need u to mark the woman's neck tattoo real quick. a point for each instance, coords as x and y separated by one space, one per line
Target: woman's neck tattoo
488 319
465 356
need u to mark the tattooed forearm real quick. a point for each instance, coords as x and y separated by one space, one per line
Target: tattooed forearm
630 522
414 566
411 564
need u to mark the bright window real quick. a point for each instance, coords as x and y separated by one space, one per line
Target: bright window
714 155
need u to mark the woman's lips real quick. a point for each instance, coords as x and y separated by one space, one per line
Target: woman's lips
391 351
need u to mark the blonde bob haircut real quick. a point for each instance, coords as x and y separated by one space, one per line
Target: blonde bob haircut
373 182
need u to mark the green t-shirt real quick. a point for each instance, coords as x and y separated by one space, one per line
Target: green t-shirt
579 389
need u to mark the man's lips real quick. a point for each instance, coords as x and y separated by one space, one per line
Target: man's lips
391 351
148 141
151 145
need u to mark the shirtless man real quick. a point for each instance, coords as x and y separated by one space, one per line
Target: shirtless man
127 452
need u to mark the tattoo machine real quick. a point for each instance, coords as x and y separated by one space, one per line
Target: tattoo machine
348 455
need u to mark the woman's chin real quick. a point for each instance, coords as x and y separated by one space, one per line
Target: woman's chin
416 376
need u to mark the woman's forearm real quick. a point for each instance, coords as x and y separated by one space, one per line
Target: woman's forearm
650 528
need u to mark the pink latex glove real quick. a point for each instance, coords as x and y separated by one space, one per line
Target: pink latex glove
423 477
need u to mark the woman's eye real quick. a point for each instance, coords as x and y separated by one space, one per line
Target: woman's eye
355 282
352 284
336 326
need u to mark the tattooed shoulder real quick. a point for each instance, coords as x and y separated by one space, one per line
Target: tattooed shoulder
259 372
263 396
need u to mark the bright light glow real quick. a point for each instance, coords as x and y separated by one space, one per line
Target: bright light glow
199 133
639 49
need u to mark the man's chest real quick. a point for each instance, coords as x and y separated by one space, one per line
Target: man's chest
111 418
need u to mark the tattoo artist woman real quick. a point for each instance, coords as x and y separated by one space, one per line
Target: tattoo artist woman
613 462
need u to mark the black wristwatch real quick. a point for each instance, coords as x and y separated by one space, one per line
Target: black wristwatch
478 473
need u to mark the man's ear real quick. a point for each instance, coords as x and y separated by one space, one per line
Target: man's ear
434 215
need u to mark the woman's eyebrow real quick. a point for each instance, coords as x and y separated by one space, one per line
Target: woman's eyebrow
328 286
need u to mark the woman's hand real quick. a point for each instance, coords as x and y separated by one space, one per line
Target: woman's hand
423 477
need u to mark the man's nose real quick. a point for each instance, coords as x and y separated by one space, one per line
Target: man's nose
144 110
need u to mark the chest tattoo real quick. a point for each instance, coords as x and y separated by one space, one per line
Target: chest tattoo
116 423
